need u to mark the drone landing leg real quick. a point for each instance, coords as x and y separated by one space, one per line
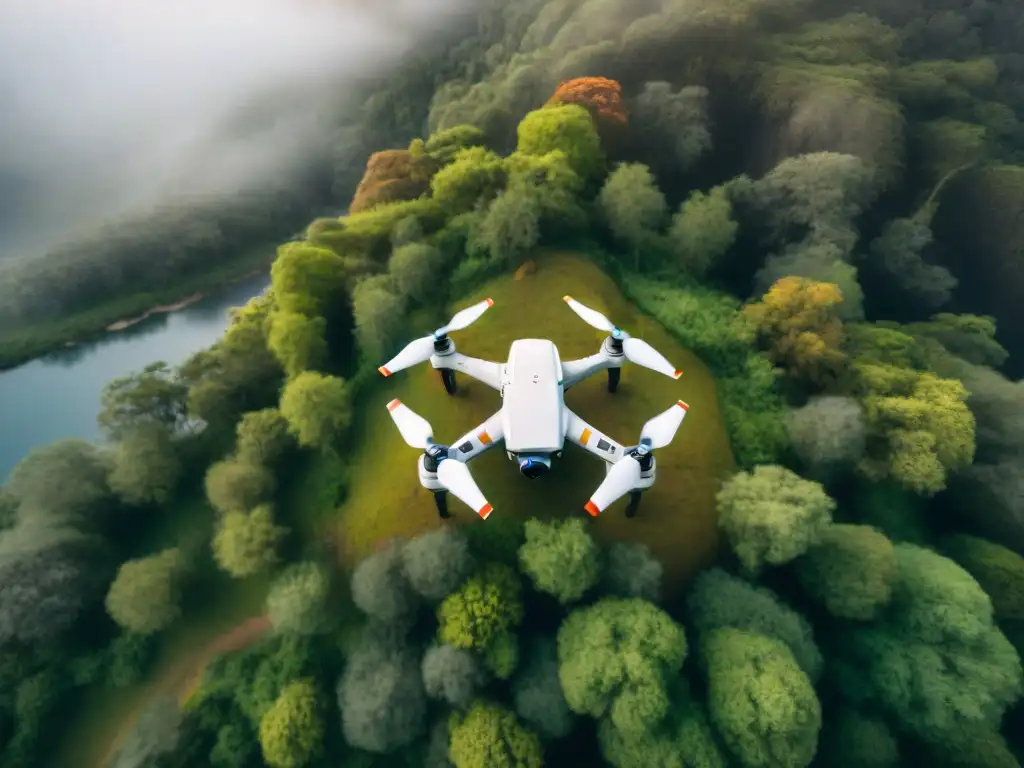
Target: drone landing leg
448 379
441 500
613 379
634 502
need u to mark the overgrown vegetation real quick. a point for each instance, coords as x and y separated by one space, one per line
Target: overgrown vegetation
769 200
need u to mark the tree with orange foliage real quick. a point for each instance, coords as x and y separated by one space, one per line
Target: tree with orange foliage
393 175
798 321
601 97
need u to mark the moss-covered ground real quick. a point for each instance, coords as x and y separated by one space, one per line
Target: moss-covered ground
676 519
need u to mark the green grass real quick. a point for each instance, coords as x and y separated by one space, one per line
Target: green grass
19 345
676 519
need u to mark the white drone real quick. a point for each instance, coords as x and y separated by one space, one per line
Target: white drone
533 420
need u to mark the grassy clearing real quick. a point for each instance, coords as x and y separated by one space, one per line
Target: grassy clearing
676 519
19 345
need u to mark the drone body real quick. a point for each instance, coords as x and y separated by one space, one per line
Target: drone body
533 421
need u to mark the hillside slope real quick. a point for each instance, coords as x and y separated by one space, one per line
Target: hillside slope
676 519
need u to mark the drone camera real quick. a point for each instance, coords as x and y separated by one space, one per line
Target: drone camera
534 466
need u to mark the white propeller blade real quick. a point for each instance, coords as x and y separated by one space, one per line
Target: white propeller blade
620 480
640 352
415 352
659 431
465 317
420 350
455 476
636 350
416 430
589 316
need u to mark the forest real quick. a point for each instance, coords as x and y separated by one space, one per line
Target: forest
823 202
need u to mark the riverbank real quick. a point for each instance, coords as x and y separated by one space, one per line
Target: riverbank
18 346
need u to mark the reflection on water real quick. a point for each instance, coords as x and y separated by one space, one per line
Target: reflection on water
58 395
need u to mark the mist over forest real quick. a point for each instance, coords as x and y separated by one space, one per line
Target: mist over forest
114 108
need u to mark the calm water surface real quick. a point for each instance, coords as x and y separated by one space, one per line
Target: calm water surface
59 395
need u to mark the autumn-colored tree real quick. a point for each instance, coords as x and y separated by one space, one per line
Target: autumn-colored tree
798 322
391 176
601 97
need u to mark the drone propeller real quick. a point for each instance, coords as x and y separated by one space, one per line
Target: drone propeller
420 350
636 351
452 474
624 474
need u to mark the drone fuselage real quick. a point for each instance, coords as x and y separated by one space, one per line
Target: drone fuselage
532 399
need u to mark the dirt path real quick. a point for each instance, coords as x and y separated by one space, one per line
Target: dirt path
246 633
183 679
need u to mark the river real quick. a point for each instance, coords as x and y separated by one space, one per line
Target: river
58 395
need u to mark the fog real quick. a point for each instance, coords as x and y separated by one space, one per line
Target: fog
110 105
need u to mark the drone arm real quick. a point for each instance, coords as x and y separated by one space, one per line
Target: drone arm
590 439
478 440
575 371
482 370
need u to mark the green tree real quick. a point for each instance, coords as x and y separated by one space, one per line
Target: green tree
560 558
317 407
445 145
631 570
537 693
673 120
490 736
999 571
851 571
297 600
48 577
854 740
567 128
828 433
934 661
484 607
414 270
155 395
511 226
145 596
760 700
234 485
145 466
298 342
702 230
380 589
452 675
436 563
262 437
632 204
380 694
683 740
476 175
246 543
64 479
306 279
501 655
771 515
291 731
379 314
616 658
718 599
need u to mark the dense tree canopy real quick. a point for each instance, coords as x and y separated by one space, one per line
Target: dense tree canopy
771 515
560 558
145 597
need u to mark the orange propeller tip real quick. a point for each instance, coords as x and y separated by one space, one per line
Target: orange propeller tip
677 374
490 302
592 509
384 371
484 511
682 405
394 404
567 298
